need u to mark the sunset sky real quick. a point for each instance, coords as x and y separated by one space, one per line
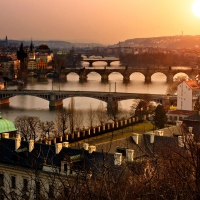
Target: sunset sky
102 21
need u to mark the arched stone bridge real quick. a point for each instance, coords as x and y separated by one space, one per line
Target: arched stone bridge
55 98
125 72
107 60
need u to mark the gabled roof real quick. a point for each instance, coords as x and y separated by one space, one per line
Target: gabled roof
193 117
181 112
193 84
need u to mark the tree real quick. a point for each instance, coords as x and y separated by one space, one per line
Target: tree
172 88
47 128
28 126
101 114
91 116
78 119
160 117
71 112
61 121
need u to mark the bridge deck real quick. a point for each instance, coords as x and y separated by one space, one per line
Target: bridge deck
86 93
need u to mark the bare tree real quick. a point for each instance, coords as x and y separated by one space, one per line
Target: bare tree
61 121
172 88
28 126
47 128
78 119
71 112
91 116
101 114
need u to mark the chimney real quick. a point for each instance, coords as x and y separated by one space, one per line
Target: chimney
178 123
92 148
160 133
5 135
117 158
190 129
135 137
17 141
130 155
86 146
58 147
152 137
30 145
65 144
181 141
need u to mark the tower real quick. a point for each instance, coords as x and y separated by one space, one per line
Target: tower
6 41
31 53
22 55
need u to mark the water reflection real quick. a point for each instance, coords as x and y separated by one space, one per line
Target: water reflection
34 106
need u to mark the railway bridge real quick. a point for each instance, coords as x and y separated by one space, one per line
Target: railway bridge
56 97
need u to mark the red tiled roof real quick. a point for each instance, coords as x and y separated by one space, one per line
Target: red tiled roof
193 84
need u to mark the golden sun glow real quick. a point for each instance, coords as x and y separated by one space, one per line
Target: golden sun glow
196 8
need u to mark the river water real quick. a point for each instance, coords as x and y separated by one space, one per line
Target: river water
34 106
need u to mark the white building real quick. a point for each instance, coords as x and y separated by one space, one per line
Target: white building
187 94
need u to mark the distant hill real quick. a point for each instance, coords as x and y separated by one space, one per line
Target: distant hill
186 41
54 44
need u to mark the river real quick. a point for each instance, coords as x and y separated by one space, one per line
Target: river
34 106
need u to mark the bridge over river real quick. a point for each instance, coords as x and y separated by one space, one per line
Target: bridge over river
126 72
56 97
108 60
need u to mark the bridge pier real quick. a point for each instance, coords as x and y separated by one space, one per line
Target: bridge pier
82 76
112 106
53 103
126 78
90 63
4 102
170 78
108 63
104 78
62 77
147 79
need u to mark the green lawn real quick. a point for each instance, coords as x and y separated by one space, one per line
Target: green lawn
119 134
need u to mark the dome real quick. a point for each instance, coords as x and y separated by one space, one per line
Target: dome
43 46
6 126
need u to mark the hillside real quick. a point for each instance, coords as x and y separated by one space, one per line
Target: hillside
165 42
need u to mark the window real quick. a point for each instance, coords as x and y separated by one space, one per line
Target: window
65 167
25 184
13 182
37 187
51 191
1 180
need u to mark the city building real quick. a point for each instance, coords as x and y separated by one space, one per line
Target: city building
188 102
187 94
7 66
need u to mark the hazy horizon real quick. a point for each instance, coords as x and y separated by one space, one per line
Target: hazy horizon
101 21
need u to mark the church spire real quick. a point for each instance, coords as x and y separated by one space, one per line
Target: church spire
31 46
21 48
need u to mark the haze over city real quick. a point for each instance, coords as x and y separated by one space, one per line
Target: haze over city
102 21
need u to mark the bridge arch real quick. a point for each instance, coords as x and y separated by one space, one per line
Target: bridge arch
117 74
180 74
138 74
91 74
160 76
72 76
